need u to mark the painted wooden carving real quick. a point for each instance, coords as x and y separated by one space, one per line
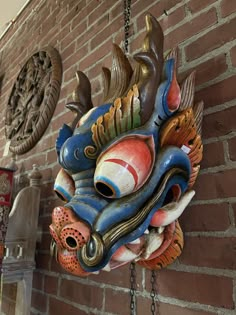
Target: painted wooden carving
33 99
6 188
128 166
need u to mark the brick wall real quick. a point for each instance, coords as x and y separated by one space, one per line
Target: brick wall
203 280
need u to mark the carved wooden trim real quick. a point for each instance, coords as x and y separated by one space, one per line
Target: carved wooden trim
33 99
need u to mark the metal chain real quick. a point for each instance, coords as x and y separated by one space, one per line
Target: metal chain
153 293
132 289
127 12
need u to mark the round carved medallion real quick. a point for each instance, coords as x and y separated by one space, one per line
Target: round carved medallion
33 99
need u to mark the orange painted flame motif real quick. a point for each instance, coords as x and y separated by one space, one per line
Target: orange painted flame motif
128 166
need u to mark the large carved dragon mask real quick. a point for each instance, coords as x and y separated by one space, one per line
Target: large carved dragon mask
128 166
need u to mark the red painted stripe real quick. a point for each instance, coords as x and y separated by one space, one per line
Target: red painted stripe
127 166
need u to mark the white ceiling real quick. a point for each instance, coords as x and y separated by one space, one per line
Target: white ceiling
8 12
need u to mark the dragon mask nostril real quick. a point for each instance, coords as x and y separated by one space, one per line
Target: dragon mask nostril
71 242
73 236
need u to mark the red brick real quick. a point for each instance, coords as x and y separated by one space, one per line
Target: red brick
211 69
59 12
88 295
73 4
208 217
205 249
218 93
212 40
195 6
72 34
87 9
72 13
69 74
196 287
91 32
57 307
48 24
117 302
216 185
176 310
106 32
101 9
95 70
234 210
233 56
219 124
39 301
72 60
210 158
116 10
190 28
144 305
69 50
232 148
157 9
120 276
227 7
38 280
96 55
173 18
50 284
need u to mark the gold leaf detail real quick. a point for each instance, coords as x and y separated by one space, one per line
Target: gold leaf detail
90 152
123 115
181 130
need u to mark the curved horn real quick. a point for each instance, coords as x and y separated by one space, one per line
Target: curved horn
121 73
81 96
151 61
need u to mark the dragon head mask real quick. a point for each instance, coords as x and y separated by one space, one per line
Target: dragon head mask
127 166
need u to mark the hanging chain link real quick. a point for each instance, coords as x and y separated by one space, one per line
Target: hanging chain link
153 293
127 12
132 289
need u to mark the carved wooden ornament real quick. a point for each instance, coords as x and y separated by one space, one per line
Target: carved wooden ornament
33 99
128 166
